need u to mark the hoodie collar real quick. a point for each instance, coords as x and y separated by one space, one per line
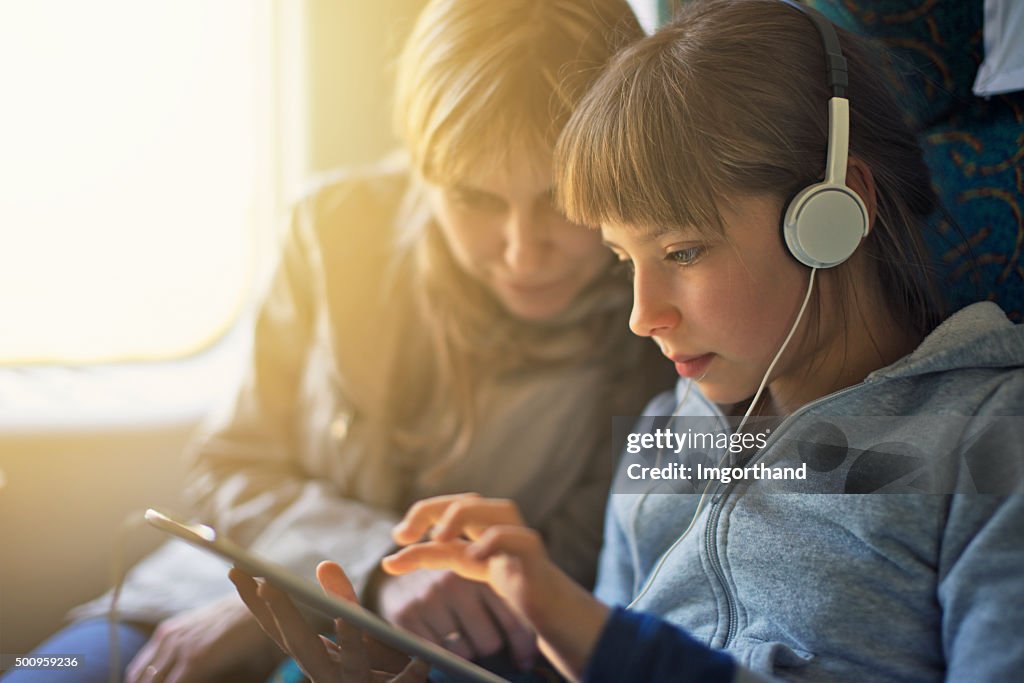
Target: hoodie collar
979 335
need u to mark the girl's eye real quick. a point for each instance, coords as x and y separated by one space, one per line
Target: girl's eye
688 256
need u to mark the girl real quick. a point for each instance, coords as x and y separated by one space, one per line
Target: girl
690 152
435 326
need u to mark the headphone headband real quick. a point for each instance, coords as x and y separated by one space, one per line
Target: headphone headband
838 79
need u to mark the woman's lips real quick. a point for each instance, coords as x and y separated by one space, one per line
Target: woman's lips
693 366
533 289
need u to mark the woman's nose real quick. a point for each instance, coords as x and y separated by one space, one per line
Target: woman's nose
526 244
653 311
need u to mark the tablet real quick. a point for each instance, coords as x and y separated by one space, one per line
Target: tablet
310 593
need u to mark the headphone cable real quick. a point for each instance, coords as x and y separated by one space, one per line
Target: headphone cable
703 496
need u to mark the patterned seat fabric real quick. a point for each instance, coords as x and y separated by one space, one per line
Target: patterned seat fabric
974 146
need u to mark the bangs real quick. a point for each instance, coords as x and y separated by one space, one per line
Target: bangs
634 152
491 122
495 85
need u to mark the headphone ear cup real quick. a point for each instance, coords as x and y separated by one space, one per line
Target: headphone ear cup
823 225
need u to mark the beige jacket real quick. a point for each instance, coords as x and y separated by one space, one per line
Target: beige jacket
293 470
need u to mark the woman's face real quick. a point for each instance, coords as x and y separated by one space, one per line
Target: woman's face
503 229
719 307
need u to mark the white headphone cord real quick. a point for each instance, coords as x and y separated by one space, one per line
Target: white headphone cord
785 343
703 496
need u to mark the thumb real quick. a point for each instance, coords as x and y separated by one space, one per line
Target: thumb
333 580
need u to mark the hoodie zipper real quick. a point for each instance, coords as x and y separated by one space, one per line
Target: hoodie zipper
710 530
715 513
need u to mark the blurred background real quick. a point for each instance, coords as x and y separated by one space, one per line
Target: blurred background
148 153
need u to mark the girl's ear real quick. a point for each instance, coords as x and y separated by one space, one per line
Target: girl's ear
860 179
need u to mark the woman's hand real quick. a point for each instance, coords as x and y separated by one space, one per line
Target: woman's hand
486 540
353 659
204 644
463 616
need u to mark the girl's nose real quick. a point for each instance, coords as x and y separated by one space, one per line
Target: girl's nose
653 312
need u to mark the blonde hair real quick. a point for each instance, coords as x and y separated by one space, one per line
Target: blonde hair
698 112
476 80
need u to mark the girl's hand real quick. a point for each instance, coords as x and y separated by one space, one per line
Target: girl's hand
353 659
463 616
479 539
486 540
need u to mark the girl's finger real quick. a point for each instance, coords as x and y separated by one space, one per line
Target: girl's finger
449 555
350 651
335 582
520 542
471 517
422 515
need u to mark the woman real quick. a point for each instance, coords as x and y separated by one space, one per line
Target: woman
434 326
871 391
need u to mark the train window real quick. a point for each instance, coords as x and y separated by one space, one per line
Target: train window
136 144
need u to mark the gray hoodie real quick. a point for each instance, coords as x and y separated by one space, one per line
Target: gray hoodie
898 558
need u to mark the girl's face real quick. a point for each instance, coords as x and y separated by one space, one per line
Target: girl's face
719 307
503 229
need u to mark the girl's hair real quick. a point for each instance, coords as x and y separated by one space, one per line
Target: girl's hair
477 80
731 98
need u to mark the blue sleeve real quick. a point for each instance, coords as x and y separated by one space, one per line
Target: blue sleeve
639 647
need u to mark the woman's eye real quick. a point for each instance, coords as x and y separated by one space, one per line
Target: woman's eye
687 257
478 201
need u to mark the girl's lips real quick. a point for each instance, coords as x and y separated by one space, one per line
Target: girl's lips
694 367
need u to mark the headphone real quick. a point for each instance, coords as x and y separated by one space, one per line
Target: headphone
824 223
